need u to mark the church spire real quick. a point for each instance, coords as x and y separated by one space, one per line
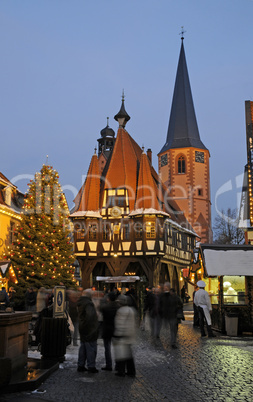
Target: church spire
183 128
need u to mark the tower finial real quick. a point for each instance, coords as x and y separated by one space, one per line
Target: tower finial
107 121
122 117
182 33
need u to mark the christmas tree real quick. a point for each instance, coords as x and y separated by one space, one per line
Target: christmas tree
42 253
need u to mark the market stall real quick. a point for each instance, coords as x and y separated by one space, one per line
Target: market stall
228 273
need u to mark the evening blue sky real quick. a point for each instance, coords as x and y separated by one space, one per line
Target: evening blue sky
64 65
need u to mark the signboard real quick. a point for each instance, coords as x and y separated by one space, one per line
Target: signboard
59 301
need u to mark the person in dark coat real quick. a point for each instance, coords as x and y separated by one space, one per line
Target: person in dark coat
88 329
109 310
169 305
72 298
4 299
30 299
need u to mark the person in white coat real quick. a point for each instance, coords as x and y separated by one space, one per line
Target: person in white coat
203 303
124 337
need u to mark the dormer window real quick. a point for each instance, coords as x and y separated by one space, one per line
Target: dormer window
116 200
8 196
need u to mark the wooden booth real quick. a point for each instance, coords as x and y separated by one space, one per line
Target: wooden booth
227 271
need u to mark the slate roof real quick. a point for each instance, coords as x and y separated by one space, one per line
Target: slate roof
183 128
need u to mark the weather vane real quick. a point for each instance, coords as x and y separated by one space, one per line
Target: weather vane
182 32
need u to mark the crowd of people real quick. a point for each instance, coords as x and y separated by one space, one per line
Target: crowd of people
119 323
114 317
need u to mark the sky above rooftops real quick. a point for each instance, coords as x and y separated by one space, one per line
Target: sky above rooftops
65 63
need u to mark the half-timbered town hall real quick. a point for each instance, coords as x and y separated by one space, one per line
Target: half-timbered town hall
124 221
128 220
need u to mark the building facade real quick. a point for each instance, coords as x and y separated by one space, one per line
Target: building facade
246 207
11 201
124 223
184 159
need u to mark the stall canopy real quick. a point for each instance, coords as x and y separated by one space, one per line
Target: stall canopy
222 260
7 271
116 279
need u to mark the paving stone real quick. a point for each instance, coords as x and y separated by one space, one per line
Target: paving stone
214 369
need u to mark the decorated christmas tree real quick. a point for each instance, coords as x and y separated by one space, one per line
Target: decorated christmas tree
42 253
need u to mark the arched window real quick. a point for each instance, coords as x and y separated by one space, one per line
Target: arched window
181 165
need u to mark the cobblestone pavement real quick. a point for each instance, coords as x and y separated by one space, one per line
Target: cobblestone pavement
201 369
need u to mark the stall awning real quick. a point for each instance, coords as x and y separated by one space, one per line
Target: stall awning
116 279
227 260
7 271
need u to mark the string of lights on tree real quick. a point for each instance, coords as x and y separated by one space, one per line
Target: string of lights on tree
42 253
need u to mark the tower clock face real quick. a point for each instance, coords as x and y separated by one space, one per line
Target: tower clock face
199 157
164 160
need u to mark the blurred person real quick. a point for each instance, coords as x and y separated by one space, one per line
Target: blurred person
229 293
88 330
154 313
183 290
195 308
4 299
30 299
133 296
169 305
49 297
148 305
41 302
203 303
109 309
72 297
124 337
11 294
184 295
98 298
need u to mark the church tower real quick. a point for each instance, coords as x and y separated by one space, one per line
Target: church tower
184 159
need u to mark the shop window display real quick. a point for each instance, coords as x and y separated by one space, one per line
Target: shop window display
234 289
212 289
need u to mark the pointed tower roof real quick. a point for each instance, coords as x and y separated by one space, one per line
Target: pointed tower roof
183 128
88 197
147 190
122 117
